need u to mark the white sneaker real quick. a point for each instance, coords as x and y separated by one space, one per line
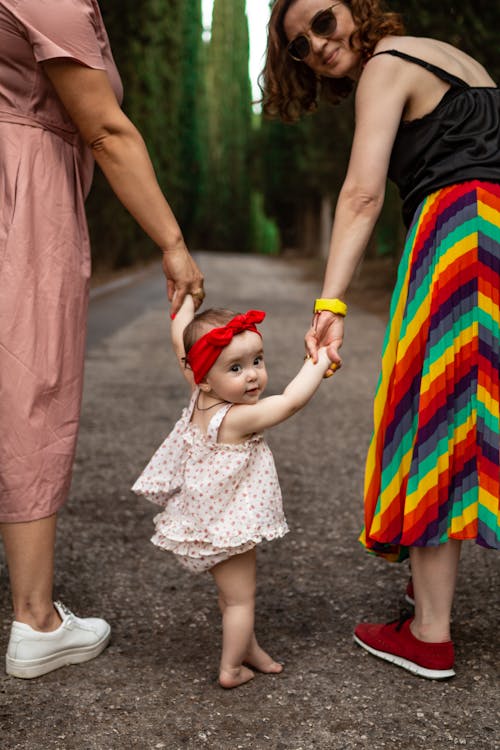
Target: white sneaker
31 653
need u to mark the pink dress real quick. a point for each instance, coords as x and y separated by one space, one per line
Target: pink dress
45 175
219 500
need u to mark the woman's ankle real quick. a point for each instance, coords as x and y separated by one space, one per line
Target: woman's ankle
42 617
435 632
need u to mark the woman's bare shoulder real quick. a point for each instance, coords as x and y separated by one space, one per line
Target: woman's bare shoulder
439 53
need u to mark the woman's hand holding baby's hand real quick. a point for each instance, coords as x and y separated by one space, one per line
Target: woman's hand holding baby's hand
327 330
325 361
183 277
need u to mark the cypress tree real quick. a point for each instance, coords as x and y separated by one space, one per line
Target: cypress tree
228 198
192 114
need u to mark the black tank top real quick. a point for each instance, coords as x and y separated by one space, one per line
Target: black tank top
456 142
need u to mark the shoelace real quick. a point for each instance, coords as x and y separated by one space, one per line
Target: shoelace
404 615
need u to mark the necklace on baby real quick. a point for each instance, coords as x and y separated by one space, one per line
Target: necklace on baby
206 408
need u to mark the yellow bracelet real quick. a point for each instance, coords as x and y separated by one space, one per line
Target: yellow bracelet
332 305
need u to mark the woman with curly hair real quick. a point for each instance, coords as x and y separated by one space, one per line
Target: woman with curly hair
427 116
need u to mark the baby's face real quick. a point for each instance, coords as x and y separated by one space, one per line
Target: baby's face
239 375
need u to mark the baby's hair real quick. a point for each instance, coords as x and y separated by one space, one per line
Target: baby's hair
214 317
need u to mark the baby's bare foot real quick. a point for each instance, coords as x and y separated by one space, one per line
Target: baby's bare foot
231 678
260 660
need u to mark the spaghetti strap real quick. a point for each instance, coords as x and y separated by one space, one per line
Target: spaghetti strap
191 405
216 421
439 72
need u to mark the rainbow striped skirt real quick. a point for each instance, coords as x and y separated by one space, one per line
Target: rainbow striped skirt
433 470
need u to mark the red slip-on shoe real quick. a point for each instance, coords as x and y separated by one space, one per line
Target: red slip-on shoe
396 643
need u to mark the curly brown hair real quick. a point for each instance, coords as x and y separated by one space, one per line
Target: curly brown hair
290 88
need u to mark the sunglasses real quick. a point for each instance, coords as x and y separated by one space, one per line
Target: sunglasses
323 24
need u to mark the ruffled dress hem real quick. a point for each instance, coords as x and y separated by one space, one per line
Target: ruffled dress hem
200 547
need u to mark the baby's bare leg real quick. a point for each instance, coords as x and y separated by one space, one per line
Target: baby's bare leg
235 579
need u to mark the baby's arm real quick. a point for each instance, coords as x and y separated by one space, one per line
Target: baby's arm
181 320
244 420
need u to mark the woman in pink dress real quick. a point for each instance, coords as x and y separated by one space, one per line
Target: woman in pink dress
59 110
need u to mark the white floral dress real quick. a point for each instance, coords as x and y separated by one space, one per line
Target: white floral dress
219 499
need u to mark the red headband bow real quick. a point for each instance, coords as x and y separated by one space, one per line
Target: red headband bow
205 352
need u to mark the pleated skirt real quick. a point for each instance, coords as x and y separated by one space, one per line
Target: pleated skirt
433 469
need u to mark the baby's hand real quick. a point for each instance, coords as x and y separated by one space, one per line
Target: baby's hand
324 360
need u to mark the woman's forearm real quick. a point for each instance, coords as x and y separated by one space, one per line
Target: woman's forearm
125 162
355 217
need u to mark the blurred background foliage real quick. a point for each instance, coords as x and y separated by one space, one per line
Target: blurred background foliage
235 181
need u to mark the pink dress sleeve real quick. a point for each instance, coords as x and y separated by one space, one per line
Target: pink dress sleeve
61 28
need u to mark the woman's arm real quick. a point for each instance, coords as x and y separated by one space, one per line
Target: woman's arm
382 93
243 420
120 151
